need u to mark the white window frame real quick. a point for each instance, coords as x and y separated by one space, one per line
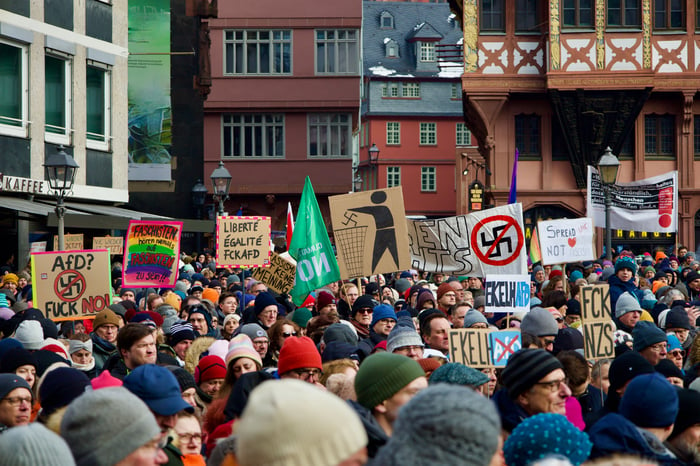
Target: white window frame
22 130
65 136
272 43
456 91
463 136
269 121
428 134
410 90
386 15
426 51
428 179
352 63
326 123
393 133
106 143
393 176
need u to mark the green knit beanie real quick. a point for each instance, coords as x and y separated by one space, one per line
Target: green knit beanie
382 375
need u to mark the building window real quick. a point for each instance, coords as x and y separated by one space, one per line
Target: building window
330 135
253 135
627 148
696 135
391 49
527 18
659 135
393 133
427 179
98 104
669 14
57 99
456 91
577 13
427 52
258 52
624 13
14 82
386 20
337 51
390 89
393 176
492 16
464 136
410 90
527 136
428 134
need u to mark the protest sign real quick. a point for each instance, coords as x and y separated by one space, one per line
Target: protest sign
596 322
370 232
566 240
243 241
151 256
650 204
481 348
72 242
502 344
507 293
279 276
37 246
115 244
480 243
71 285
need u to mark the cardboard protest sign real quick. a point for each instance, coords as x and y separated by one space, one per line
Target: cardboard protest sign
279 276
72 242
480 243
151 256
480 348
566 240
507 293
370 232
115 244
71 285
243 241
597 322
37 246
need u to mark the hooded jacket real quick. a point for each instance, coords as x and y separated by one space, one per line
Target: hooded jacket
376 437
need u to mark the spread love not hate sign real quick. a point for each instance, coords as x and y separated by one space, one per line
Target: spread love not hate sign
566 240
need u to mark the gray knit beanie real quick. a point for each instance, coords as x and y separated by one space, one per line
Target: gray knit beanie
539 322
34 445
401 336
443 425
473 317
626 303
102 427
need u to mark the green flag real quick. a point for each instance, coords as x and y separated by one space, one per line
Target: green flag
316 263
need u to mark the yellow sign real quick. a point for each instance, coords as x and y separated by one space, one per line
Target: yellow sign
71 242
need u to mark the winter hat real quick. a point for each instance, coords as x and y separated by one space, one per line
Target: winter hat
645 334
229 317
15 358
179 332
383 311
573 307
30 334
673 342
546 434
443 425
106 380
151 318
401 285
10 278
184 378
53 345
340 332
525 368
208 368
106 316
6 344
61 386
34 445
650 401
474 317
626 367
625 262
76 345
324 299
539 322
575 275
382 375
339 350
328 434
298 353
211 294
158 388
677 318
692 275
442 289
95 442
9 382
401 336
568 339
626 303
241 346
200 309
364 301
262 300
667 368
253 331
688 411
301 316
458 374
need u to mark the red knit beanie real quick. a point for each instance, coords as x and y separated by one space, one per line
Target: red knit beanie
442 289
298 353
324 299
209 367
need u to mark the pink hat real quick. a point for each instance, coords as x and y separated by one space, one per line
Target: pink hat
241 346
105 380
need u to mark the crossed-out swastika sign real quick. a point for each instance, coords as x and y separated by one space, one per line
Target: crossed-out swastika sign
497 240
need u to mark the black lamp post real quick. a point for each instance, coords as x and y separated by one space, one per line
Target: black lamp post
221 182
59 170
607 168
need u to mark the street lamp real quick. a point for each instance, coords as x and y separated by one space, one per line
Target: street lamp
221 182
357 183
607 168
60 169
373 154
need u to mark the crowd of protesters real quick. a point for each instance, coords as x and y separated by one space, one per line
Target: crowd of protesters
220 370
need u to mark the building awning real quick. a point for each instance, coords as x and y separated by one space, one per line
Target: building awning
30 207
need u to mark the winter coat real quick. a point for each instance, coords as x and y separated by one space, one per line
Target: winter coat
376 437
101 351
511 413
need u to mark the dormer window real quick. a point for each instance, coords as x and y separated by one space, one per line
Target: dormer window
386 20
426 51
391 48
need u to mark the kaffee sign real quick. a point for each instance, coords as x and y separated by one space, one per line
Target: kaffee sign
15 184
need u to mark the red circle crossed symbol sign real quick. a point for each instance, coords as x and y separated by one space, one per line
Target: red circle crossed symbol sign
69 285
497 240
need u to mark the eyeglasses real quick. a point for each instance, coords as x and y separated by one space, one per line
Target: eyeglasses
17 400
187 437
450 295
548 342
553 386
306 374
658 347
676 353
289 334
365 310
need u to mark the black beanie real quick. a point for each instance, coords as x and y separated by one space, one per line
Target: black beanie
688 411
15 358
626 367
184 378
677 318
573 307
667 368
525 368
364 301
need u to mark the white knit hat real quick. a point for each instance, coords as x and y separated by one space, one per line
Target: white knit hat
30 334
328 431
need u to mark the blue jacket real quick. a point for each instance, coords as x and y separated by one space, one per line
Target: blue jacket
617 287
511 413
